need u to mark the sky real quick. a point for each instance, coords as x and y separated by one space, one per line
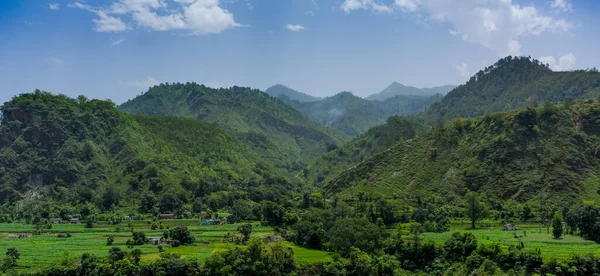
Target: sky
117 49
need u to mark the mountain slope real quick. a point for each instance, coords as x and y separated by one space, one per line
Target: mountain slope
282 91
524 155
283 135
397 89
78 151
352 115
513 83
375 140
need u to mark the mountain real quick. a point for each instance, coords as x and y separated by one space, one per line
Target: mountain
352 115
282 134
282 91
397 89
375 140
77 151
512 83
527 154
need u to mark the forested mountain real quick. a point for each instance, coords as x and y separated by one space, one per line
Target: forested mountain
397 89
86 151
352 115
282 91
375 140
549 152
511 83
281 135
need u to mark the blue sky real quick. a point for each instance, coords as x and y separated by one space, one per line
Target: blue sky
115 49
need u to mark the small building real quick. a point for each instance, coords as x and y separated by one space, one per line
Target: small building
74 220
510 227
155 240
211 222
167 216
128 218
24 235
55 220
13 236
203 214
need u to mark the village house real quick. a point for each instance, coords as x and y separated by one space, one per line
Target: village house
20 235
155 240
213 221
74 220
167 216
510 227
55 220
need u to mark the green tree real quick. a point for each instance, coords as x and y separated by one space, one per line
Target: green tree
475 210
181 234
137 255
246 231
359 233
116 254
557 228
110 240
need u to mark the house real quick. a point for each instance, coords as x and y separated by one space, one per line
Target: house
25 235
211 222
155 240
55 220
74 220
13 236
128 218
510 227
167 216
202 214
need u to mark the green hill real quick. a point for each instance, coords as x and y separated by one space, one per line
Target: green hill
282 91
54 148
352 115
375 140
279 133
549 151
398 89
512 83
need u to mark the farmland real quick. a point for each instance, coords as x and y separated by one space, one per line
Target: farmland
48 249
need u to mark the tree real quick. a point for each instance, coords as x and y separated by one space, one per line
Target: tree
170 203
137 255
110 240
359 233
557 229
181 234
475 210
139 238
116 254
10 261
245 230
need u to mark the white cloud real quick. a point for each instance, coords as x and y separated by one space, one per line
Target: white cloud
295 27
463 69
54 6
351 5
56 61
147 83
561 5
565 62
117 42
196 16
495 24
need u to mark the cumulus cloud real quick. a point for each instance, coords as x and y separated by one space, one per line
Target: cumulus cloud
54 6
561 5
148 82
196 16
351 5
463 69
117 42
495 24
294 27
564 63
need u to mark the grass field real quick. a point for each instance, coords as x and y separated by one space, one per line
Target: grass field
532 236
47 249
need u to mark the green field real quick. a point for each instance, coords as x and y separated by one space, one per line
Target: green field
532 235
47 249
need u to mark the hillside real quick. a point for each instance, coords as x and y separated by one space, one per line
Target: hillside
75 151
352 115
397 89
513 83
375 140
550 151
279 133
282 91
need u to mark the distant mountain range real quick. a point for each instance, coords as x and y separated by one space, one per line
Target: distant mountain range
282 91
398 89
